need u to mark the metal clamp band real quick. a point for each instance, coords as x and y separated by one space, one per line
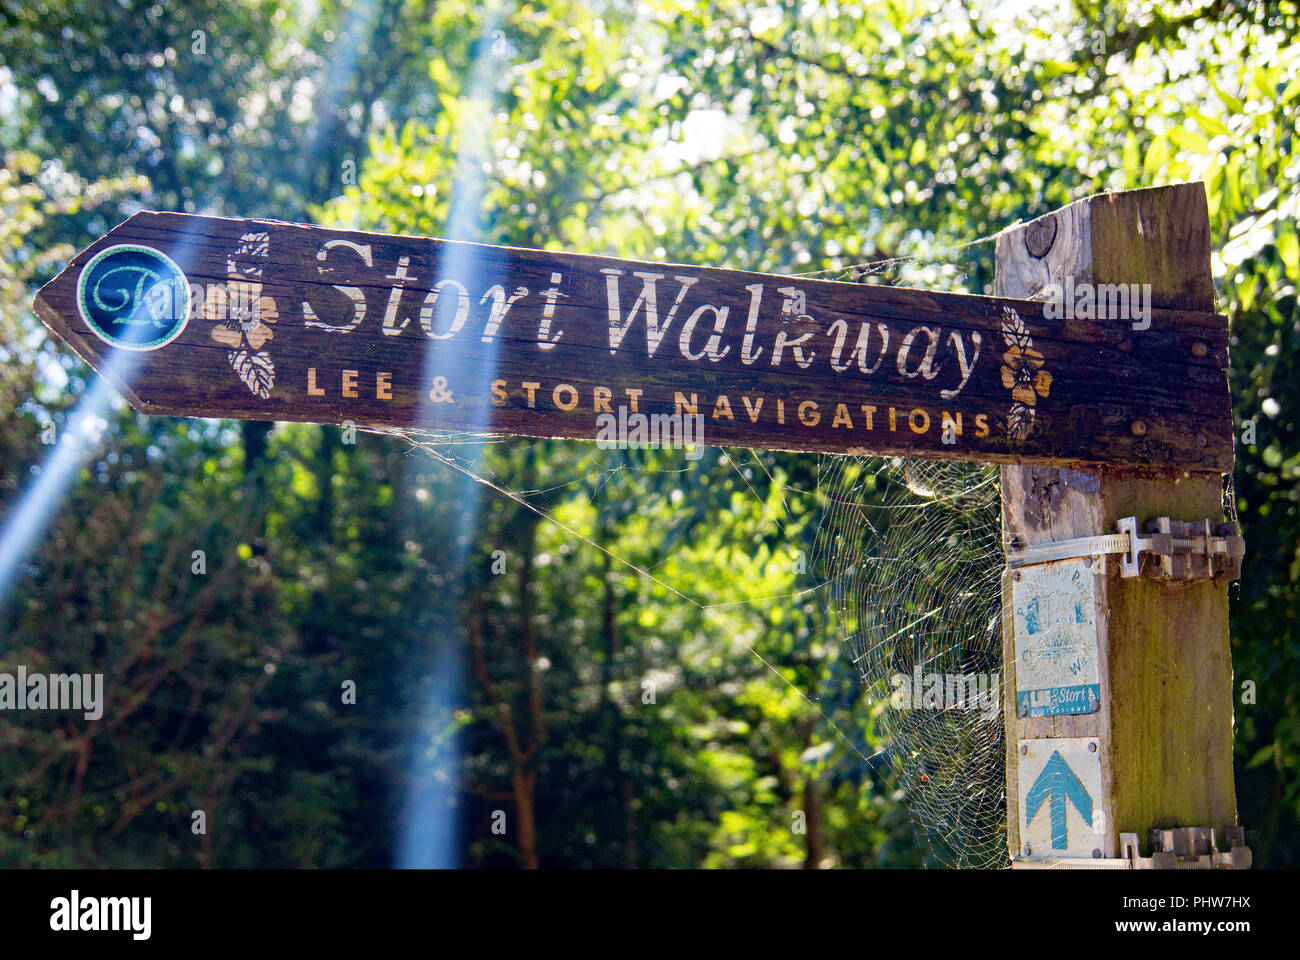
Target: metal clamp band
1192 550
1182 848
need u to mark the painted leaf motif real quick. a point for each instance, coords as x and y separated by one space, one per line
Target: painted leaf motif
255 369
1020 420
1014 331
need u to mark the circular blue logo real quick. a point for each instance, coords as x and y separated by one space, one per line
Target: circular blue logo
133 297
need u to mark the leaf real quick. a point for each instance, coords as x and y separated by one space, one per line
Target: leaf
1262 756
1288 248
1209 124
255 369
1131 153
1155 159
1234 105
1291 92
1190 140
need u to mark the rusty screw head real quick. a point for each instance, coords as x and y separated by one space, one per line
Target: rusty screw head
1024 749
1092 748
1025 851
1139 428
1096 854
1199 349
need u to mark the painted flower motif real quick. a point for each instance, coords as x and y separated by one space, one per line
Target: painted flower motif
1023 375
243 314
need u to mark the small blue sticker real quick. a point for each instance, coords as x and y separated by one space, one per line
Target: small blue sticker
1058 701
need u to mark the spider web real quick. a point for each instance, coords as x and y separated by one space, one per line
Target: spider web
905 557
914 575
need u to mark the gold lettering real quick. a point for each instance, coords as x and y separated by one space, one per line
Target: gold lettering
573 397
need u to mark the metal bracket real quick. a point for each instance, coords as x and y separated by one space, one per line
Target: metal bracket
1181 848
1186 550
1189 848
1196 549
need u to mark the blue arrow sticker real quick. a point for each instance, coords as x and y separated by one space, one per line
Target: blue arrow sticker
1059 784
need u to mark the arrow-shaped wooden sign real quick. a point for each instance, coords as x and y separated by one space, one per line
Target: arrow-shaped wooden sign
265 320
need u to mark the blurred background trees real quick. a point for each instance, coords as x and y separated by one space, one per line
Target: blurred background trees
782 137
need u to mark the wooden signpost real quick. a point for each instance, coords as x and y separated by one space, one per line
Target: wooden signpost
1098 405
274 321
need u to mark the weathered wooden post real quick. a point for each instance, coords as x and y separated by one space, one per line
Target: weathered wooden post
1118 688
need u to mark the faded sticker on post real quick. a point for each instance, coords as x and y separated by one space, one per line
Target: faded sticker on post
1056 639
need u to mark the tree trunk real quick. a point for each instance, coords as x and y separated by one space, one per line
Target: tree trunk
812 809
615 776
525 772
254 434
525 783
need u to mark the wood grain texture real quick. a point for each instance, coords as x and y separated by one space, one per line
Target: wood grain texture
945 385
1166 715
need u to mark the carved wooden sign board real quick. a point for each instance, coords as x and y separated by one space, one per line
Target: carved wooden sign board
256 319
